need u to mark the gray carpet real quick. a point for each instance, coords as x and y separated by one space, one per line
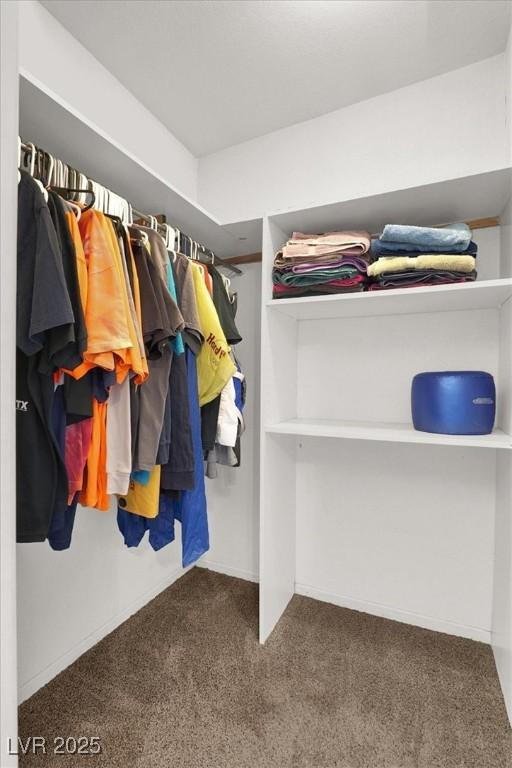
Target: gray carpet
184 684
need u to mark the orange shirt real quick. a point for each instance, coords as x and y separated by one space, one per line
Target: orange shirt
108 332
81 263
94 488
132 360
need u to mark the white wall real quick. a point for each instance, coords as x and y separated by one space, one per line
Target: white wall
69 600
508 90
8 130
405 532
56 61
233 500
449 126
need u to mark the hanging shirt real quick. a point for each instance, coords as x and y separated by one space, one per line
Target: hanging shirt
225 308
176 453
189 509
142 498
193 333
78 392
214 365
105 314
161 321
72 355
94 493
226 311
44 328
206 277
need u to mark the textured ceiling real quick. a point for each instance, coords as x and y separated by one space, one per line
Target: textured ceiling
217 73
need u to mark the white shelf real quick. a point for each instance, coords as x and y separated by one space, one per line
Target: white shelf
385 432
484 294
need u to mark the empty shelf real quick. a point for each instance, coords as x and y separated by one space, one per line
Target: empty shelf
485 294
385 432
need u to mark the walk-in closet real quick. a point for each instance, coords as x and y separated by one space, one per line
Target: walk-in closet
256 321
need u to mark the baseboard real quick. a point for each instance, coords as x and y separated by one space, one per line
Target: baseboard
504 670
28 688
227 570
405 617
375 609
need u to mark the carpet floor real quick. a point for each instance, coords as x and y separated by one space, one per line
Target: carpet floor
184 684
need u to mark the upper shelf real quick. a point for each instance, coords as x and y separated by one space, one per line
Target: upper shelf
483 294
53 127
459 199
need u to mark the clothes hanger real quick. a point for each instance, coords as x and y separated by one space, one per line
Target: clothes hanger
73 190
138 235
50 169
76 209
170 237
33 168
83 182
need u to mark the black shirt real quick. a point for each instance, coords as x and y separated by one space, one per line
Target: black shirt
44 315
73 355
225 309
45 327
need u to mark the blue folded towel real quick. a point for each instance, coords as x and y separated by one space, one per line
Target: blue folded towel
456 237
380 248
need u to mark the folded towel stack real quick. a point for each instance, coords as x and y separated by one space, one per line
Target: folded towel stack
309 265
405 256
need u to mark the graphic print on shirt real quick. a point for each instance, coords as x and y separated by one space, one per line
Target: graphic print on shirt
217 349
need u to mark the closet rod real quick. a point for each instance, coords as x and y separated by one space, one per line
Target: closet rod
146 217
484 223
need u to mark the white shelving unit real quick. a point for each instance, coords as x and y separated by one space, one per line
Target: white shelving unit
357 507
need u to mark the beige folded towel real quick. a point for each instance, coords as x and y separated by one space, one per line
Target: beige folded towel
441 261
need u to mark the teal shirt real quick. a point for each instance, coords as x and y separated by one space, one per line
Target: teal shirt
177 343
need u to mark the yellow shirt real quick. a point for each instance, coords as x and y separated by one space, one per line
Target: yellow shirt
214 365
143 499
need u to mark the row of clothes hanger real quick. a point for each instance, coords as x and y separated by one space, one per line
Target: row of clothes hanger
177 242
51 172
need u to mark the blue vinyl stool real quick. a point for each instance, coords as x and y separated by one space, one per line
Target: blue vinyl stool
454 402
